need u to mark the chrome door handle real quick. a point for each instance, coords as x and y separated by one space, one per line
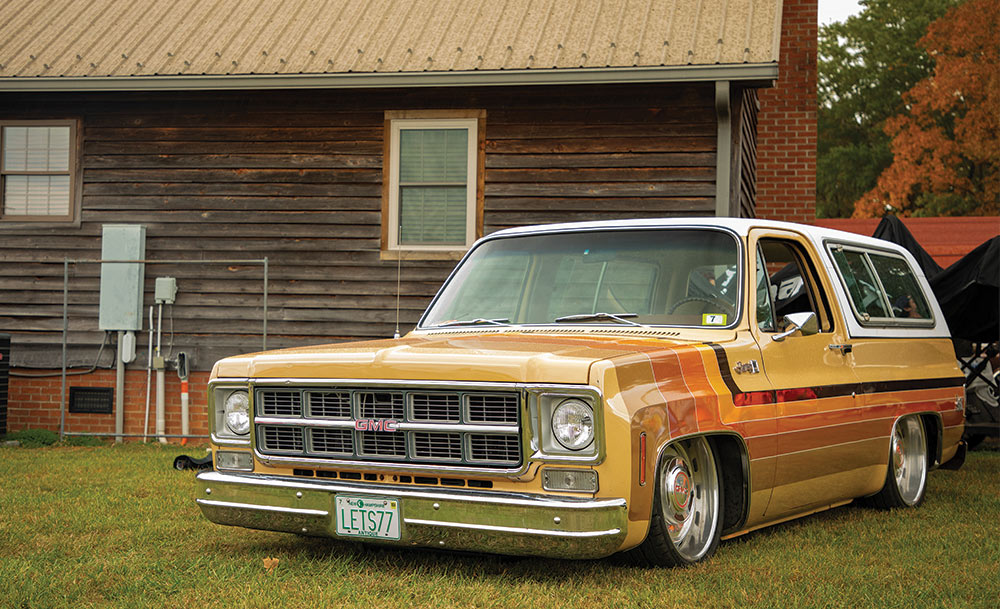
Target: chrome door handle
843 348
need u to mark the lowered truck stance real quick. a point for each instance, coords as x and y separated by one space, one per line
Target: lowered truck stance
578 390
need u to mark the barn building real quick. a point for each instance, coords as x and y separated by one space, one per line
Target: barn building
309 172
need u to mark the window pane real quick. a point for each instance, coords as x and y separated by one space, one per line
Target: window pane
765 317
431 215
860 283
606 286
36 196
36 148
901 286
502 276
433 155
644 272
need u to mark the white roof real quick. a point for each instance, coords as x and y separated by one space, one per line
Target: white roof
741 226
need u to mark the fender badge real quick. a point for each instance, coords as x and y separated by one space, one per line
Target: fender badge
749 367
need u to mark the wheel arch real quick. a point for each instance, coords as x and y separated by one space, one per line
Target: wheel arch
934 432
733 459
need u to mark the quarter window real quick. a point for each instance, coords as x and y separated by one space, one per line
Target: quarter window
36 171
906 300
433 176
881 286
861 284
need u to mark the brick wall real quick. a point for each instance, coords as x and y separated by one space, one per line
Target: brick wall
34 403
786 132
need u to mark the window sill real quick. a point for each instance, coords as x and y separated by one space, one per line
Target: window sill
421 254
23 224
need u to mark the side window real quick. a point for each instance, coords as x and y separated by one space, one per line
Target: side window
882 287
791 286
765 313
905 297
861 284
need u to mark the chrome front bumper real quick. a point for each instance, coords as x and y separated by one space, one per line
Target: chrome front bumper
457 519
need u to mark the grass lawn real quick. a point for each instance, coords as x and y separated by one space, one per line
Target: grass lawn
117 526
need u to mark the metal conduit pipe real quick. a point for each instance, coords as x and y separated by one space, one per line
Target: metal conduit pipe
161 396
120 388
149 374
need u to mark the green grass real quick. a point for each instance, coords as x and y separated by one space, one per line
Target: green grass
116 526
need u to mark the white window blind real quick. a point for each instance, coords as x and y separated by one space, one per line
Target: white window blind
36 170
433 186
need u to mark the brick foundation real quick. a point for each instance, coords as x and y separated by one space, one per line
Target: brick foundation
786 128
34 403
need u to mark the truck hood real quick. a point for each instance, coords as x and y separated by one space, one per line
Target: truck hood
507 356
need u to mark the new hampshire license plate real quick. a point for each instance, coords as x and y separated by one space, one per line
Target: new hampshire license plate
376 517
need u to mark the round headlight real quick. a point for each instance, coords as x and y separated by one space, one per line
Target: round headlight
237 411
573 424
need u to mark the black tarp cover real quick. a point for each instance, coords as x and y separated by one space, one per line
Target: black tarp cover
969 294
968 291
892 229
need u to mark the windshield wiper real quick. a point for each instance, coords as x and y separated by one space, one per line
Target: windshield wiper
618 318
479 321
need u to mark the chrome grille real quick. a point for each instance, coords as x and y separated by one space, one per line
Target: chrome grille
332 441
282 439
282 403
437 445
443 407
383 444
330 404
492 448
380 405
393 424
492 408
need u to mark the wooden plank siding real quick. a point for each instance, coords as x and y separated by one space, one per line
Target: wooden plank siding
296 176
747 159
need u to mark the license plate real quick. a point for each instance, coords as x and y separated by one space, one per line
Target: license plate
373 517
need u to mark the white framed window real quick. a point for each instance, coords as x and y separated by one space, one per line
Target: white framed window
38 171
433 170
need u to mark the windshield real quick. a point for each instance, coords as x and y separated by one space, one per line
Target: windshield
685 277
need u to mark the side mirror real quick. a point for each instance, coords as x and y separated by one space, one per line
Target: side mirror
806 322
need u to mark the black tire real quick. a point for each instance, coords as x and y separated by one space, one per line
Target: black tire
688 500
906 475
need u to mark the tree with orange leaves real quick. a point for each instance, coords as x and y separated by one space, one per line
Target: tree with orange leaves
946 145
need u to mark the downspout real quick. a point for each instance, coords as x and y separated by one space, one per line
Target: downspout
723 148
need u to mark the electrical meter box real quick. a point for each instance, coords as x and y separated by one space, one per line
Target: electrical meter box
165 290
121 282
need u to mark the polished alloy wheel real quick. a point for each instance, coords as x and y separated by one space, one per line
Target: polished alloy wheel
908 456
689 496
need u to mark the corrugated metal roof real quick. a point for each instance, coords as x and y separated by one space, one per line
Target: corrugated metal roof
74 39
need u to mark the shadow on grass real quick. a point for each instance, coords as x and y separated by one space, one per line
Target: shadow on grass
444 563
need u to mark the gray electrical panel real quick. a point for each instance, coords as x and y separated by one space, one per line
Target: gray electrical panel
121 283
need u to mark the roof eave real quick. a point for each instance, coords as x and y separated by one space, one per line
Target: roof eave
750 74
